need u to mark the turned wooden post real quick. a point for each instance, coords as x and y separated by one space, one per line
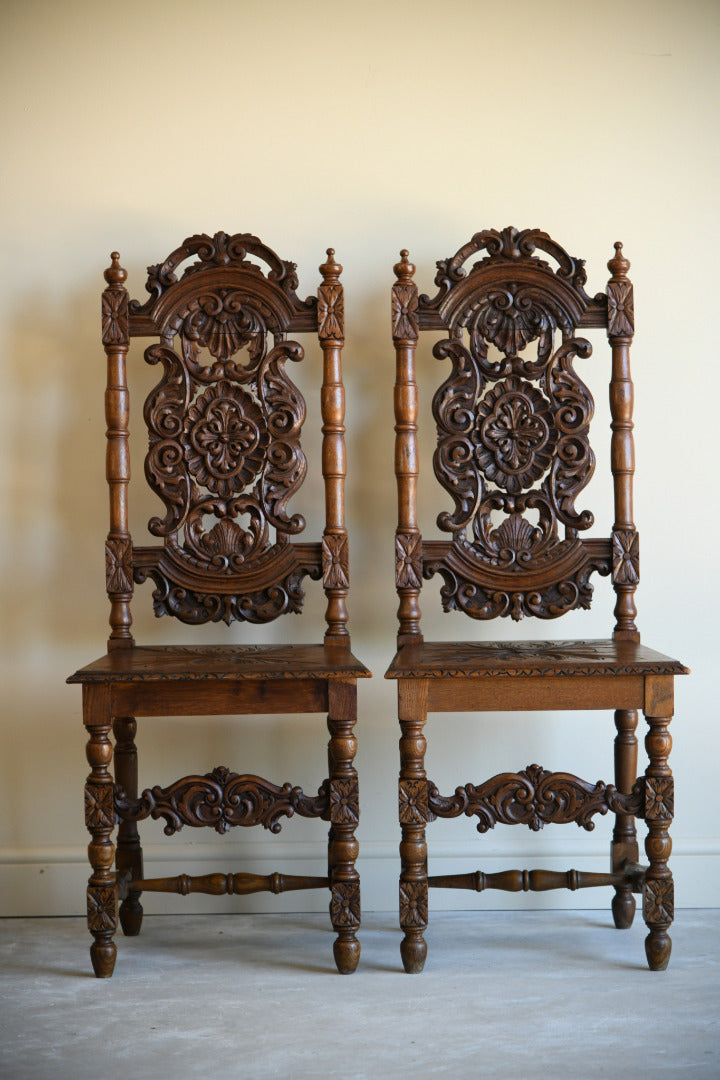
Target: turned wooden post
100 819
621 327
344 815
624 846
118 548
335 554
658 896
408 541
128 858
413 810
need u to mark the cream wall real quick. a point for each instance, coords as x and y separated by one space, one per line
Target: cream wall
369 127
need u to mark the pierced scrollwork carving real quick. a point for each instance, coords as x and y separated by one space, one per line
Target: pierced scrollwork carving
534 797
222 799
513 429
626 557
118 565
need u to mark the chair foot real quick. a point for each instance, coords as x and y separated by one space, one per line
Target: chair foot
413 950
346 950
102 955
623 909
658 947
131 915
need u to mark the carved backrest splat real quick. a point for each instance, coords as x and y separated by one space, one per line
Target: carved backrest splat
224 423
513 420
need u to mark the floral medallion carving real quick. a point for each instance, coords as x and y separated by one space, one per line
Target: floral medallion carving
101 909
404 312
621 312
515 435
659 901
344 802
226 438
345 904
408 560
115 326
413 802
99 806
118 565
331 312
413 904
335 561
659 798
626 557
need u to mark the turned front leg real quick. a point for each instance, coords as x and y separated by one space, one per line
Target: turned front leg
100 817
344 814
624 847
413 810
658 898
128 857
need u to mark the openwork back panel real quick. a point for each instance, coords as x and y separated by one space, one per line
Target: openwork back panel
224 423
513 419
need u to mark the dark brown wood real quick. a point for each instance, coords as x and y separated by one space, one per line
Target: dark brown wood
513 456
225 459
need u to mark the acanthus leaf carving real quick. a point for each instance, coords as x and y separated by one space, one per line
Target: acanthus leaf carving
222 799
533 797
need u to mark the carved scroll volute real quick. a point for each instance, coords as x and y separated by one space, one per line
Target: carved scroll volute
335 560
405 334
115 337
621 327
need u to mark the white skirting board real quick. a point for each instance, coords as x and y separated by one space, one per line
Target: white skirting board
51 882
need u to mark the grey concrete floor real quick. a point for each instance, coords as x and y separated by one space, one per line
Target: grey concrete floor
520 995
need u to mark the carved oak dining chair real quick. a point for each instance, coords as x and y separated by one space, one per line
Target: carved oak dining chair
225 459
512 419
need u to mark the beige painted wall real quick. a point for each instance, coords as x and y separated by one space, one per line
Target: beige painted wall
370 127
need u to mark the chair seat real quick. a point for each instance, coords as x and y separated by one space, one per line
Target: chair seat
222 662
517 659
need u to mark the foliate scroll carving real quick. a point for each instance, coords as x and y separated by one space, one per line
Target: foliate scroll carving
335 561
345 904
101 908
118 565
626 557
533 797
413 904
621 310
99 806
220 250
659 901
659 798
513 430
404 312
331 313
115 325
413 802
408 560
344 802
222 799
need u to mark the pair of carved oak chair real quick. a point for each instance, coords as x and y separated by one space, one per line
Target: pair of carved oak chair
225 459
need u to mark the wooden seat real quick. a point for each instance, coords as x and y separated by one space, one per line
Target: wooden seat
512 418
225 458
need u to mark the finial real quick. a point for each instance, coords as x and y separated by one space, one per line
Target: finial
331 270
618 265
404 270
115 275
